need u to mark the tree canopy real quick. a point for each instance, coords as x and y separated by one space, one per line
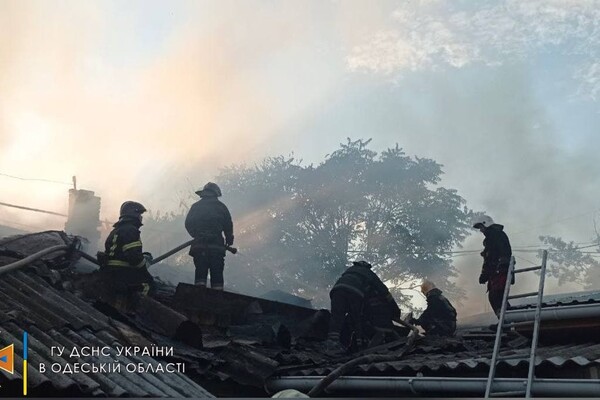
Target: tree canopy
571 262
298 227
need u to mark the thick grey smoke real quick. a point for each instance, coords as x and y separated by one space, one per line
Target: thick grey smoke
499 148
492 91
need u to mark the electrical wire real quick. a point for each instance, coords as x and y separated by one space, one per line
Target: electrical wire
36 179
526 260
33 209
556 222
449 254
19 224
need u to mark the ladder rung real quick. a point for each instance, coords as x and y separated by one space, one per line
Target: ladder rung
513 393
520 323
516 271
511 357
505 329
518 296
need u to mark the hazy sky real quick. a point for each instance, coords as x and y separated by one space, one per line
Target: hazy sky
147 99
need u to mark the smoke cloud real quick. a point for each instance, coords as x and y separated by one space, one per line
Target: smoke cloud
146 101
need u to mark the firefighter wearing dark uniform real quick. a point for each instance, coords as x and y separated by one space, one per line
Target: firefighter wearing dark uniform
126 265
380 310
209 223
359 286
440 316
496 259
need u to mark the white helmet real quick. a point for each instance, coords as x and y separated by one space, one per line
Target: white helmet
427 286
482 220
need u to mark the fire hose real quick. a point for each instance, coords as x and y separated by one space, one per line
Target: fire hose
65 248
344 369
169 253
32 258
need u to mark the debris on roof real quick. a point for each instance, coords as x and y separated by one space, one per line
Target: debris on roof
285 297
231 344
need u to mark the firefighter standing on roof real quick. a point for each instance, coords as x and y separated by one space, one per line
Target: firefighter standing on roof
209 223
496 258
126 265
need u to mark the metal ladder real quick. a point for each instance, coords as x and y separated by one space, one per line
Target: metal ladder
501 324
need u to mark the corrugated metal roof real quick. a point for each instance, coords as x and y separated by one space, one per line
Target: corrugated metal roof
57 318
53 316
36 300
553 356
589 297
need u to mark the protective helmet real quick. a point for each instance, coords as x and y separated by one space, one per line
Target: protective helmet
131 209
361 264
484 221
426 286
210 189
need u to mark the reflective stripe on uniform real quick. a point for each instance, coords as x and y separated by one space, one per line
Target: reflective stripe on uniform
118 263
114 246
145 289
142 263
132 245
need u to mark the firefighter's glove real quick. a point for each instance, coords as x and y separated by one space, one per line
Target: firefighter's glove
102 258
483 278
229 241
148 257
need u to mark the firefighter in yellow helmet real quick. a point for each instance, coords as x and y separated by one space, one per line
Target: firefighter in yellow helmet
126 265
440 316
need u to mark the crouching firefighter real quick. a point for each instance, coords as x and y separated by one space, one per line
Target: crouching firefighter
358 287
209 223
380 310
440 316
124 264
